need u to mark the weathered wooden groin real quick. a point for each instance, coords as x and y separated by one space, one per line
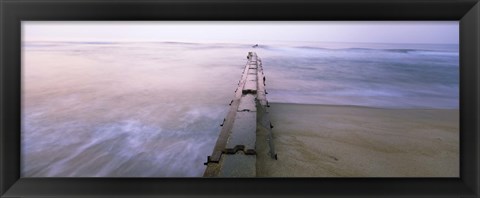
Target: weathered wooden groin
234 154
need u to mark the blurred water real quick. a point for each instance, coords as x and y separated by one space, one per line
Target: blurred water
154 109
376 75
124 109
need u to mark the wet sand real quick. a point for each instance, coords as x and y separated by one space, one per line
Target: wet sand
350 141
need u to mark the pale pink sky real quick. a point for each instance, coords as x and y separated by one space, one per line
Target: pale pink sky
252 32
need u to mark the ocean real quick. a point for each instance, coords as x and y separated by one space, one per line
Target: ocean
154 109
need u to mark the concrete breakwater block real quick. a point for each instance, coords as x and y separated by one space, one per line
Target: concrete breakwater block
250 84
252 77
243 134
235 152
261 98
247 103
238 166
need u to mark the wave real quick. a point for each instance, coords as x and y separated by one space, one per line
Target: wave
400 50
426 50
94 43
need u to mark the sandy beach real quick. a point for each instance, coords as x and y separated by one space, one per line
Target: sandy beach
352 141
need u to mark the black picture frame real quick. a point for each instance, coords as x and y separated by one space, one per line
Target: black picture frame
12 12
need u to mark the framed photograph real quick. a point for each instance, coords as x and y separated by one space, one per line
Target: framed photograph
272 98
